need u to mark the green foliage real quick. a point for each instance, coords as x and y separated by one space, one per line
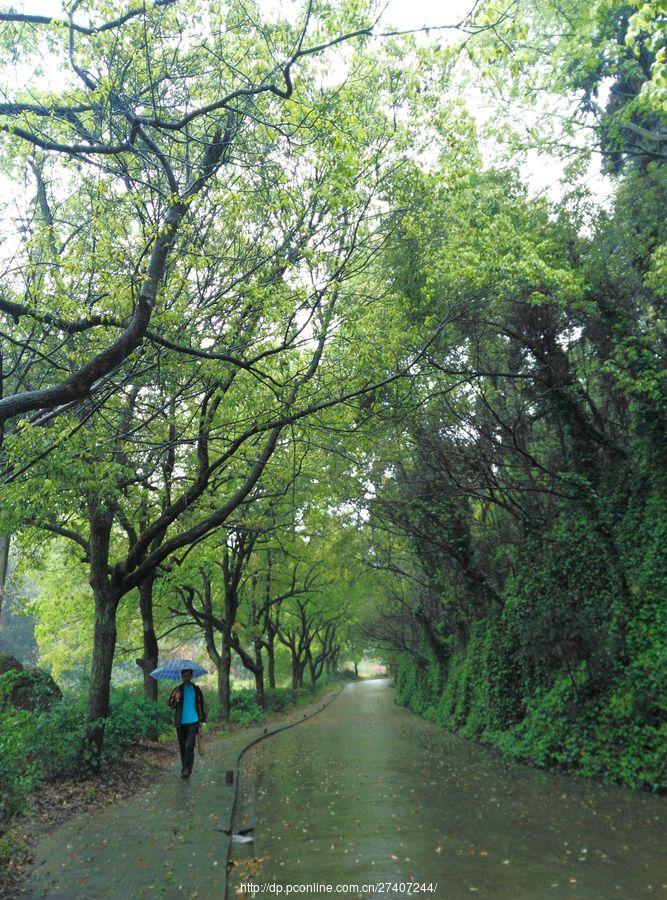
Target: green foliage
43 746
133 716
618 736
20 775
244 709
572 672
28 690
530 496
280 699
608 54
517 475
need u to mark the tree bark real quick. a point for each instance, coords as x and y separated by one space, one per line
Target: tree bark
149 660
271 654
259 676
5 541
297 671
104 646
104 640
312 668
224 688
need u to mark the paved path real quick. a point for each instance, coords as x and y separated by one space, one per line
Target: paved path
367 793
364 792
164 842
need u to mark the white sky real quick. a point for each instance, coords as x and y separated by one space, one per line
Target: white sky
416 13
542 174
404 13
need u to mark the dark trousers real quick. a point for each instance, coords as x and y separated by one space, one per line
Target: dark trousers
187 736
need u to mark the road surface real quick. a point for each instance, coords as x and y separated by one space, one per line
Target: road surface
365 792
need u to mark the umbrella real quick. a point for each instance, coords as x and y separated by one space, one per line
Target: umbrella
171 670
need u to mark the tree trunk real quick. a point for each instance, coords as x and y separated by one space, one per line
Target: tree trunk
221 686
271 653
259 677
224 691
4 563
150 658
356 670
297 674
312 669
438 648
104 646
107 598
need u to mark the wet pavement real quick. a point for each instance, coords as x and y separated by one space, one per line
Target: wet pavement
366 793
363 793
167 841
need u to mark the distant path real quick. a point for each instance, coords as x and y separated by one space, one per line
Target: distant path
367 792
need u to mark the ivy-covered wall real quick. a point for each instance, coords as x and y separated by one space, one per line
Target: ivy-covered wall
484 695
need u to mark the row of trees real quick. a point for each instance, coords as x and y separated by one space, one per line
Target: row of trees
202 203
270 313
521 501
270 585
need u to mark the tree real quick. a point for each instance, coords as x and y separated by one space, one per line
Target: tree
608 57
178 439
143 128
503 499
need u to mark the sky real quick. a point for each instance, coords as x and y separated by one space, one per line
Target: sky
543 175
403 13
417 13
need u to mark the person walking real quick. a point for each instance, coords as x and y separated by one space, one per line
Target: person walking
187 700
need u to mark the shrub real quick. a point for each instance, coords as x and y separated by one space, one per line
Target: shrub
28 689
132 718
344 675
280 699
244 708
44 745
619 734
19 771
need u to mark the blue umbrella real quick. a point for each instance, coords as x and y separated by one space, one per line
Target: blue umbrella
171 670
